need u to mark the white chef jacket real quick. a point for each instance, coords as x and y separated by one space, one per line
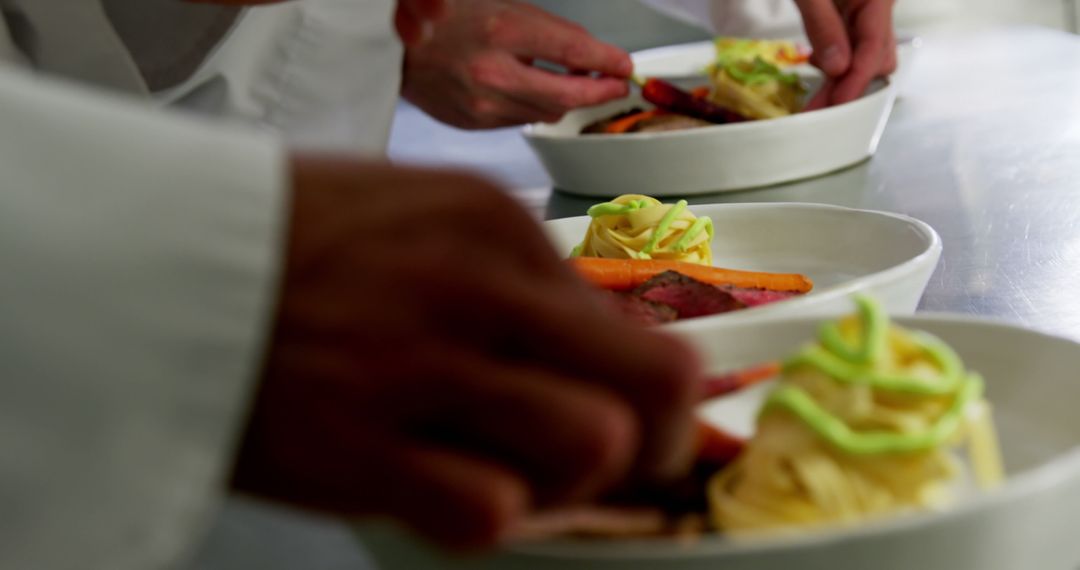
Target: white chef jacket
325 73
139 254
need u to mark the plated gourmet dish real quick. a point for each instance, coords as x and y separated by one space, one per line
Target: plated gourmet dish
749 80
869 420
654 260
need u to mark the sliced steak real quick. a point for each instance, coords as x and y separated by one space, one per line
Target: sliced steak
758 297
664 123
641 310
689 297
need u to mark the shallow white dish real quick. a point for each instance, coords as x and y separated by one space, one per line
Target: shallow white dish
844 251
1031 522
710 159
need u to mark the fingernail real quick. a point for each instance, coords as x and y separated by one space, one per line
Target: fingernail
832 60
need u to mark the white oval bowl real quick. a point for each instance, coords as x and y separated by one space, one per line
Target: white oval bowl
844 251
1030 522
709 159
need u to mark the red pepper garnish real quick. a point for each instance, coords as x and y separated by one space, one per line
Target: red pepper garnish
724 384
716 446
668 97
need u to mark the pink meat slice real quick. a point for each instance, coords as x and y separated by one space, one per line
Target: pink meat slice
689 297
640 310
757 297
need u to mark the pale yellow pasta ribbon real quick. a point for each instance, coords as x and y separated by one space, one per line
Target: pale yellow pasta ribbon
633 226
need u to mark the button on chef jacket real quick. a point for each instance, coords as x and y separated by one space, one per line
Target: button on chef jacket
139 255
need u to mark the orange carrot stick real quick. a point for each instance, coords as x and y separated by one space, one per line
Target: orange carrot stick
725 384
624 274
626 123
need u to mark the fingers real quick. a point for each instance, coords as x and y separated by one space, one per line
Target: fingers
821 99
527 417
495 110
891 55
553 93
534 34
567 330
337 462
828 35
459 501
872 39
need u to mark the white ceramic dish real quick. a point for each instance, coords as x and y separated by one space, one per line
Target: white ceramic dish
710 159
844 251
1030 523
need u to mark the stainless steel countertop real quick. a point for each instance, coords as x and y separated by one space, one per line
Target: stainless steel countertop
984 145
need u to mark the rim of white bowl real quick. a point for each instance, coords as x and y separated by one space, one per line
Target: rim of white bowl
1043 478
932 249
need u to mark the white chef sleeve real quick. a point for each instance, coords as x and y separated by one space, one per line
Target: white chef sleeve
324 73
740 18
138 262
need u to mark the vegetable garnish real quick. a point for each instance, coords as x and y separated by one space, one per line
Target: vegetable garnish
667 96
747 77
724 384
778 53
863 423
640 227
626 274
625 124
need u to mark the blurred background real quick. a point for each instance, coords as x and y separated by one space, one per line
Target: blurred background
632 25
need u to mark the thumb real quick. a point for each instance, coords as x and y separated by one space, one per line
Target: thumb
825 28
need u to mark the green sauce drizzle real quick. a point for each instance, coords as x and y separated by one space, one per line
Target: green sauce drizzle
663 226
844 363
875 334
836 432
703 223
759 72
613 209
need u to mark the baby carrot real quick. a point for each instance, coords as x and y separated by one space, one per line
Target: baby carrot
626 123
625 274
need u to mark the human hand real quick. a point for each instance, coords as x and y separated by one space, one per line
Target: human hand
414 19
433 360
476 70
854 43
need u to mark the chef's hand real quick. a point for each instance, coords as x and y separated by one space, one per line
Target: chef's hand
434 360
476 69
414 19
854 43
